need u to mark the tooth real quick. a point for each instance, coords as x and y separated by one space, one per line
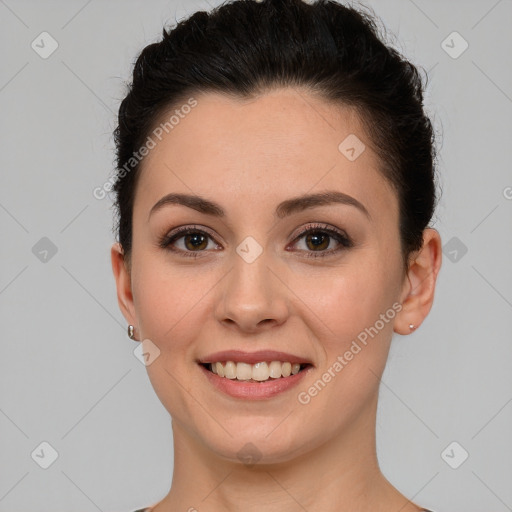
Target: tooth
275 369
220 370
260 371
243 371
230 370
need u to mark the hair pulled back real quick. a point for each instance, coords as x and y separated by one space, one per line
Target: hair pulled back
245 48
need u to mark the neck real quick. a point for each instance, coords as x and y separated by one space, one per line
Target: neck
342 474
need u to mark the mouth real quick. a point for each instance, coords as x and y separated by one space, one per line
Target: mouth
225 377
259 375
260 372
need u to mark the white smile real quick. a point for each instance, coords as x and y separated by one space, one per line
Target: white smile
259 372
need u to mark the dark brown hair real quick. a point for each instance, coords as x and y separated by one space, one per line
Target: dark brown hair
244 48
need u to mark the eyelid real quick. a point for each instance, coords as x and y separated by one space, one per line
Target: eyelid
343 239
318 226
165 241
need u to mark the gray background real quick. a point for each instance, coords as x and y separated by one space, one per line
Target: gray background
68 373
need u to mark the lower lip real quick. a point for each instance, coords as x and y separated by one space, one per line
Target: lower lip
254 390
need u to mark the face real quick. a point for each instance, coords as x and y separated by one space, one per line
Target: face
309 279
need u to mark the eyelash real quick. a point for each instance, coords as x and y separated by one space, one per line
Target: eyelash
166 241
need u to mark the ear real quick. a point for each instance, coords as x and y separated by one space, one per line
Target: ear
419 285
123 283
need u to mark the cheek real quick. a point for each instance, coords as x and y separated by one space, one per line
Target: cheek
349 299
167 299
169 302
356 324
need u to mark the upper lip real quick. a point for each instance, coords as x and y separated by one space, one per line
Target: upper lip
239 356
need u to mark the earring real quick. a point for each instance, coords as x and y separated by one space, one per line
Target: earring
131 332
411 326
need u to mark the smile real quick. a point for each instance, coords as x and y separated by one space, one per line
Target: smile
248 388
259 372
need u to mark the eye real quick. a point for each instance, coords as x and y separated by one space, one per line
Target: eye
194 241
318 238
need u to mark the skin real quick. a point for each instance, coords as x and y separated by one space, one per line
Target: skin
248 156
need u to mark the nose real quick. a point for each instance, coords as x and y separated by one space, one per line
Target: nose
253 298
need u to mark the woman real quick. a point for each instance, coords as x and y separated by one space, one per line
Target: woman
274 192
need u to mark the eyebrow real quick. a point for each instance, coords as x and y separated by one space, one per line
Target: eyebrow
284 209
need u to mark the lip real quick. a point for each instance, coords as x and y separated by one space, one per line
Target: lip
239 356
254 390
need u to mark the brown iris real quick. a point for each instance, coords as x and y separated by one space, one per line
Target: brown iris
320 240
196 242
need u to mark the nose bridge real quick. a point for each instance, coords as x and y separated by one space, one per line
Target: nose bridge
252 295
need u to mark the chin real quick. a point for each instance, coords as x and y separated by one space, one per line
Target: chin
259 446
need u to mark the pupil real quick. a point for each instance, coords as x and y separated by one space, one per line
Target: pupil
196 239
317 239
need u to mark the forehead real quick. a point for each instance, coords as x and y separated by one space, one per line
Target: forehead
284 143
